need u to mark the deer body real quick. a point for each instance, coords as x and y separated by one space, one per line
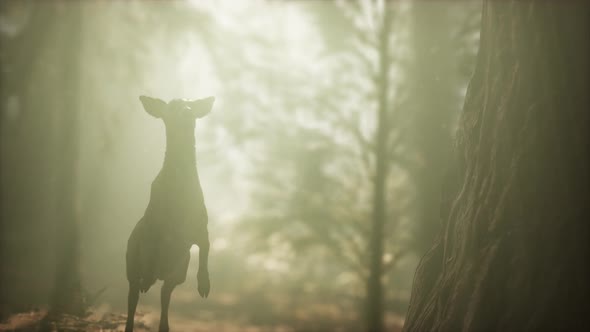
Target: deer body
176 216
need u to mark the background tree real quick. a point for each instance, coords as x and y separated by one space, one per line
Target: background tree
27 137
513 251
325 185
67 294
382 149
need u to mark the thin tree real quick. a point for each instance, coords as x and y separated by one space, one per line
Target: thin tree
375 50
67 295
513 253
378 219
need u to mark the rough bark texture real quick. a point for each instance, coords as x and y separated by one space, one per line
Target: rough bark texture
513 252
3 309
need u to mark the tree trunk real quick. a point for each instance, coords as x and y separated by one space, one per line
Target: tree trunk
513 253
374 281
25 152
67 296
3 306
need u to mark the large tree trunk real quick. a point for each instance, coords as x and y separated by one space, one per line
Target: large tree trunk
3 306
513 253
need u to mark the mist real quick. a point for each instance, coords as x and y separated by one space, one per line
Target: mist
322 162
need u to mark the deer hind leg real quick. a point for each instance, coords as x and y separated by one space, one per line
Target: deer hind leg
176 277
132 260
166 293
132 299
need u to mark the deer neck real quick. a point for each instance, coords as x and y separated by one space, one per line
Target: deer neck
180 152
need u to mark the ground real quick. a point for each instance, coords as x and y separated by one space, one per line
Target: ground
102 321
147 318
225 312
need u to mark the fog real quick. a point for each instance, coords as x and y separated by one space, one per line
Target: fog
311 97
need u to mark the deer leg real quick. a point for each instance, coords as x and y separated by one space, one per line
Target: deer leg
132 299
203 273
165 294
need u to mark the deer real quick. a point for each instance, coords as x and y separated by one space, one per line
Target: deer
176 217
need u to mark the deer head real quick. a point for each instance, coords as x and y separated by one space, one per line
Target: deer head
177 111
179 117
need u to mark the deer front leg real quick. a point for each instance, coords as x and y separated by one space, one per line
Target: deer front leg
203 274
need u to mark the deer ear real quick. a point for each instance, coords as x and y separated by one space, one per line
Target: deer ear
154 106
201 107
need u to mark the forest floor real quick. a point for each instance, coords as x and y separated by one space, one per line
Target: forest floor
147 320
144 322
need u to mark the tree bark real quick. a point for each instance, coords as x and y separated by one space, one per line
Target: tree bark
513 253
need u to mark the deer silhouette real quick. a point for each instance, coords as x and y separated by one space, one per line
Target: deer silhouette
176 216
